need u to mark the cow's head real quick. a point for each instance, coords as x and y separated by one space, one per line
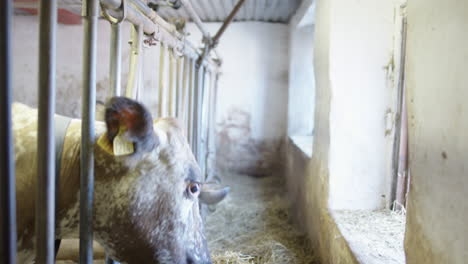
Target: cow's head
148 189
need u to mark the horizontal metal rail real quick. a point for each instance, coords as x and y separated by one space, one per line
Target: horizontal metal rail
139 14
196 19
212 44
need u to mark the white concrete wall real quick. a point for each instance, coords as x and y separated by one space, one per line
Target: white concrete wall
437 62
351 150
252 95
361 43
301 81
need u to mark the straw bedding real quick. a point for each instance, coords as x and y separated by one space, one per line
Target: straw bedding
252 225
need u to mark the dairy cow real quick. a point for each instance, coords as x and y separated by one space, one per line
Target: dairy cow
148 186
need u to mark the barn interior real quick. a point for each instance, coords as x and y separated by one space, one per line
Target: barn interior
340 125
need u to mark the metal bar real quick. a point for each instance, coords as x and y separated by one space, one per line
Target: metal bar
115 64
191 96
161 98
7 158
90 16
136 40
209 125
139 13
213 121
171 86
179 87
402 174
399 107
220 32
204 127
185 91
196 99
227 22
35 5
45 203
196 19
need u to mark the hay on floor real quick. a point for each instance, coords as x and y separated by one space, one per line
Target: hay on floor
252 225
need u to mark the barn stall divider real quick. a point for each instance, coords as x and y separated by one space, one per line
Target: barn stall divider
190 96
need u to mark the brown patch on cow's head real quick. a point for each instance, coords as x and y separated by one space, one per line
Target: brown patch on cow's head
134 119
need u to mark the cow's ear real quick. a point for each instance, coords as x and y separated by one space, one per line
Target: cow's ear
129 127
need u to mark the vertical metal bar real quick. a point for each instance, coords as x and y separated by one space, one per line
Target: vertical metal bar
115 69
90 16
161 98
45 203
399 108
139 81
7 158
135 62
402 179
209 125
185 90
205 121
196 102
179 88
213 123
200 120
191 88
115 64
171 84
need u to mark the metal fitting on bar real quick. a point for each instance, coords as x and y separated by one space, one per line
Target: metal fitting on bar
112 19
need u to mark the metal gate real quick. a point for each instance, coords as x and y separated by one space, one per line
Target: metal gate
190 96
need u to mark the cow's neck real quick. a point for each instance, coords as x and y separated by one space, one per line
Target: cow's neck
69 182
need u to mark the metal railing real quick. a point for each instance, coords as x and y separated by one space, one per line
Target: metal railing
187 98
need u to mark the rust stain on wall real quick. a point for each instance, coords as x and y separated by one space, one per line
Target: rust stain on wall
239 152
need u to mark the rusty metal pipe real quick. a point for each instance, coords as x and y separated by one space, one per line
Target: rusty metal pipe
213 42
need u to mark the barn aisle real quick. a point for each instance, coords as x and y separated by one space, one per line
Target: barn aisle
252 225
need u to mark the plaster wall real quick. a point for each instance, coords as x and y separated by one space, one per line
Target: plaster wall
301 102
252 96
437 59
351 150
359 149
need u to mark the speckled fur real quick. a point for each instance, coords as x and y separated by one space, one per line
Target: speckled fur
142 211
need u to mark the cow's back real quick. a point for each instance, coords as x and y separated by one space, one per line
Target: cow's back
25 137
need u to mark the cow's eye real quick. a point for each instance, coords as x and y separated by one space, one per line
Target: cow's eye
194 188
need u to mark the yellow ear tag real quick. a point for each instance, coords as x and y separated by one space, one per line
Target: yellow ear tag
121 145
105 144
